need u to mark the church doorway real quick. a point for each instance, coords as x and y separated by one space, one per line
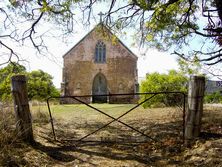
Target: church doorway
99 88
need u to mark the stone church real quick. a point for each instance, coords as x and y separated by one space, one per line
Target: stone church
100 64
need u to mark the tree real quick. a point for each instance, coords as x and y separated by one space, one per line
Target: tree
40 85
213 97
165 24
189 68
5 81
172 82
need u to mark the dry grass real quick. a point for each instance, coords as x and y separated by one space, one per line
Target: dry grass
212 119
115 145
7 133
12 149
39 115
6 124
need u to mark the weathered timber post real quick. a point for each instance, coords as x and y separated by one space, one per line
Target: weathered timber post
21 108
195 107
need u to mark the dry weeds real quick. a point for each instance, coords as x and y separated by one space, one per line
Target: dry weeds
115 145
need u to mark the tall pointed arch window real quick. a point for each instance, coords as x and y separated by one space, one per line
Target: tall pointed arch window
100 52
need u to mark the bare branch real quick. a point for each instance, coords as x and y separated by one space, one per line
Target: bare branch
12 53
181 55
31 32
215 62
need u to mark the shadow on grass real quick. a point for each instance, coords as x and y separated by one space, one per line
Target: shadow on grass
121 143
125 146
61 153
210 135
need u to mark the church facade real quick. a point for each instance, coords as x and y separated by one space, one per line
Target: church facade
100 64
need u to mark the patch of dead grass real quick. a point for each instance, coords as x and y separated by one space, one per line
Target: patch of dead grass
116 145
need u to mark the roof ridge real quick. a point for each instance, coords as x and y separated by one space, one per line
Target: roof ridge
109 31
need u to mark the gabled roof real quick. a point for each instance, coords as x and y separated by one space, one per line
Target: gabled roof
100 24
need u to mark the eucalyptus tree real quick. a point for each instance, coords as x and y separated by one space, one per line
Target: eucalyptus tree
191 29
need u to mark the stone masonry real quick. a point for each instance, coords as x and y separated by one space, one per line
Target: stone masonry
119 70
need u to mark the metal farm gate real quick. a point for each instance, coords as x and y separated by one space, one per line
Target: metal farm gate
148 96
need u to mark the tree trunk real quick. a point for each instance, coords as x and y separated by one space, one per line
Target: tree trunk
21 108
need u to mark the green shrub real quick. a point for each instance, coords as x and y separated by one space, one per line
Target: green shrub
172 82
39 83
215 97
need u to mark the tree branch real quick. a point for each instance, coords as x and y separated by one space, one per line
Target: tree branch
12 53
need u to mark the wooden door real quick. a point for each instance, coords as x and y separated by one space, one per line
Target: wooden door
99 88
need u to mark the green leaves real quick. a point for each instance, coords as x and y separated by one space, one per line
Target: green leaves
14 3
40 85
5 80
156 82
213 98
149 37
170 24
45 7
189 68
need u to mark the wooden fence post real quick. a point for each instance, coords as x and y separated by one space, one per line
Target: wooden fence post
195 107
21 108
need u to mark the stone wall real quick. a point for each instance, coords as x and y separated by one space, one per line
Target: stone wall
80 69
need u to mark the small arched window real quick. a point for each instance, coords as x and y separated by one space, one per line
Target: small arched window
100 52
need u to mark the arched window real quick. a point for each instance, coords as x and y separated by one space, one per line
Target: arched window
100 52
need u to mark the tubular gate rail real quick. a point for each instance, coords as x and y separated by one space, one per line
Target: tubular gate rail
152 94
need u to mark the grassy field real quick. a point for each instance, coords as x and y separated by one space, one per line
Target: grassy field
114 145
76 121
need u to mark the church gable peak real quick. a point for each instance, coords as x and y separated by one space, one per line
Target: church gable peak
103 35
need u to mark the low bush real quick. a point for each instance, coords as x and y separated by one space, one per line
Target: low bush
172 82
215 97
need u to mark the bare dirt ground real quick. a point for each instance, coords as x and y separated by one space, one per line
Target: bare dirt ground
118 145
